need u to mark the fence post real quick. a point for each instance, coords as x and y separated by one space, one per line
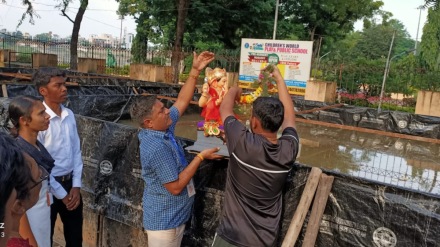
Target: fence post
44 47
92 51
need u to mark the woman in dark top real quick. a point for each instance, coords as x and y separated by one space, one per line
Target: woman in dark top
28 114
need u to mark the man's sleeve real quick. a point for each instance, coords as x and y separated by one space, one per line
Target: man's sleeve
174 115
55 188
77 158
233 131
290 133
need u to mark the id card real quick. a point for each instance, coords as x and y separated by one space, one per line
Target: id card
49 198
191 188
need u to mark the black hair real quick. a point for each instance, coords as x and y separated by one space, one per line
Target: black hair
141 108
21 106
270 112
42 76
15 172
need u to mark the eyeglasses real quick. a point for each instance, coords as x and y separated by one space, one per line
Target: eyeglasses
43 176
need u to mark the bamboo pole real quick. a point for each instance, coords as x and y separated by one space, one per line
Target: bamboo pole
322 193
302 209
4 91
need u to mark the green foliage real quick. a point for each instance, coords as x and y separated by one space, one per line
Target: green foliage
375 41
393 107
44 37
24 58
430 45
140 43
63 65
432 3
332 18
224 23
125 70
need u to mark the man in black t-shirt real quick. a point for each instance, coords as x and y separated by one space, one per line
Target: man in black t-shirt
258 167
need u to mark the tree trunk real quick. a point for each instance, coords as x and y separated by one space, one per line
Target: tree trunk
75 35
182 8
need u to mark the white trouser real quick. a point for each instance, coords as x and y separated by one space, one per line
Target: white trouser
39 218
166 238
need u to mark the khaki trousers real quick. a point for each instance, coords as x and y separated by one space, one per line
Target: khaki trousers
166 238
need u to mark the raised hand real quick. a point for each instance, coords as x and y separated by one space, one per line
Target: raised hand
202 60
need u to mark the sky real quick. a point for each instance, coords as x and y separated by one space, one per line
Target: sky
101 17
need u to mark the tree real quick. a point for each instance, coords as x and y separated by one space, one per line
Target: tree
188 22
360 57
375 41
76 24
432 3
44 37
19 34
29 12
226 22
429 70
429 46
75 31
182 11
324 21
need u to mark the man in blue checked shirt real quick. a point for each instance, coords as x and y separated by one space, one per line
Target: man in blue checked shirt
169 188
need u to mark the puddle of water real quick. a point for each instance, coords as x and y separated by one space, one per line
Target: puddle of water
406 163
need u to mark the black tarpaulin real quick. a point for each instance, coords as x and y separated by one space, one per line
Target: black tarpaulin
358 213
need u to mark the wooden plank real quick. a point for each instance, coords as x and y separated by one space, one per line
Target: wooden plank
17 75
324 187
371 131
309 143
302 209
4 91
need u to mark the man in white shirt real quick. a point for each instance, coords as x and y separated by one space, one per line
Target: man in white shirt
62 141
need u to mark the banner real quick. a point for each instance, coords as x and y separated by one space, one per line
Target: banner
292 57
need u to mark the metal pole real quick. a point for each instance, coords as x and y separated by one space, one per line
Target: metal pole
120 34
385 73
317 57
319 60
398 55
276 20
417 34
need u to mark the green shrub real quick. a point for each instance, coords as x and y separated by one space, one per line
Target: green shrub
24 58
393 107
63 65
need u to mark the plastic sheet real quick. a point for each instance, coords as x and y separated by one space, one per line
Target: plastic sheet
358 213
108 98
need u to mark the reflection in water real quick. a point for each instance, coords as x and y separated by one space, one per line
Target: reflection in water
406 163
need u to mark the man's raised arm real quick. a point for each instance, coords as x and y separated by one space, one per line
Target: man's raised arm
227 106
187 91
283 94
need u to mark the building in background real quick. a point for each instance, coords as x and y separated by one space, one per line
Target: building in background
127 41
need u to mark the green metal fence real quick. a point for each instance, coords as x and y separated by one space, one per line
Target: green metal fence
359 83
